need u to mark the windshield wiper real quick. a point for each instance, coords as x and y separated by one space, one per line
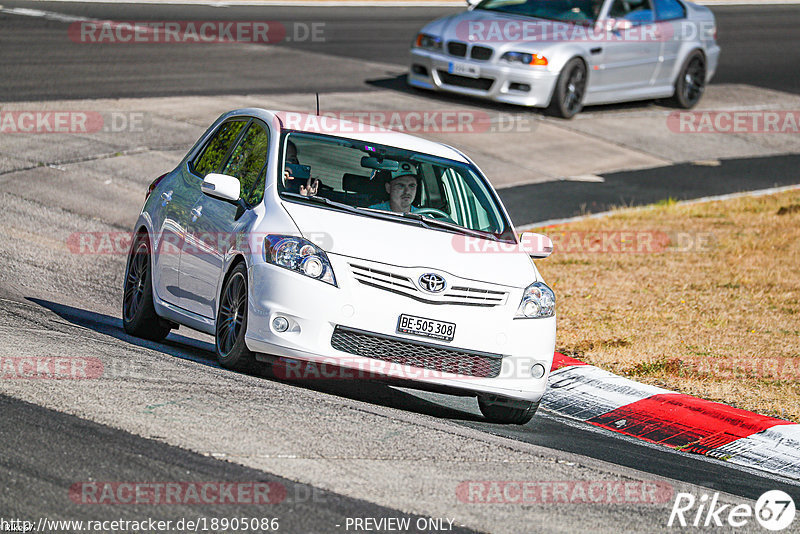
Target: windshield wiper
453 227
323 200
380 214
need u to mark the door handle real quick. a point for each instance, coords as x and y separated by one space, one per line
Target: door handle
197 213
166 198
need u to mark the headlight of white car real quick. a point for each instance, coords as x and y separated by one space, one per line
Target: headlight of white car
538 301
429 42
299 255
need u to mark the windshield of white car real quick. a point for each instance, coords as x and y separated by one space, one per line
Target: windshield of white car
352 175
574 11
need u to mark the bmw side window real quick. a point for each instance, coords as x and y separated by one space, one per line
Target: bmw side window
210 159
669 9
248 161
636 11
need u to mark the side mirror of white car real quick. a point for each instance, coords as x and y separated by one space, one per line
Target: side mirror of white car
221 186
535 245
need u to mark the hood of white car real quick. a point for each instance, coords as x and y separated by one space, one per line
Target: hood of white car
408 245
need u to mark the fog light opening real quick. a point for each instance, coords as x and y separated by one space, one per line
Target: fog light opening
419 69
280 324
521 87
537 370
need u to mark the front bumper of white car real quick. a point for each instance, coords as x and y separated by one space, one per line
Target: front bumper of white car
355 326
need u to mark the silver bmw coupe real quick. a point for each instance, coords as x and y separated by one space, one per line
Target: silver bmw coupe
565 54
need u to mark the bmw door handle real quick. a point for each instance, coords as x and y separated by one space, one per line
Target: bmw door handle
197 213
166 197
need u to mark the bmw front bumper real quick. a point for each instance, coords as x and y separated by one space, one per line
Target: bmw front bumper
521 85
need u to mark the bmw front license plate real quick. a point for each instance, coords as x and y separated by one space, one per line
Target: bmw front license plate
464 69
420 326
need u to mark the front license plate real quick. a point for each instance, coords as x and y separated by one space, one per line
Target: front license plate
420 326
465 69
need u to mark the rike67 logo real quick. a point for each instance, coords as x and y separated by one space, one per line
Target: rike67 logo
774 510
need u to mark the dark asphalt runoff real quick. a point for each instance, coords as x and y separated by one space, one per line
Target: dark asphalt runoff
562 199
40 62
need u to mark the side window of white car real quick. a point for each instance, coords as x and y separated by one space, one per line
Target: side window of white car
211 157
247 162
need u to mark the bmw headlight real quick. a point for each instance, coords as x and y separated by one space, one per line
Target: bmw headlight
430 42
538 301
525 58
299 255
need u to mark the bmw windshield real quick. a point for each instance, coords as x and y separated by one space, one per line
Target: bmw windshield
577 11
385 182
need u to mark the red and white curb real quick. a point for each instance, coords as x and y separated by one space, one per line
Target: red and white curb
597 397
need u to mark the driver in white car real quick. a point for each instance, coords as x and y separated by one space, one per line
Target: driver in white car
402 190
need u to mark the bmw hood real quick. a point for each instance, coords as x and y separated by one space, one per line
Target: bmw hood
502 31
407 245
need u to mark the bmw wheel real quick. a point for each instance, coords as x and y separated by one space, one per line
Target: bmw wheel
691 81
498 410
232 352
567 99
139 316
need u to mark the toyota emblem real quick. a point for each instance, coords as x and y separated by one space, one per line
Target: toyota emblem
432 283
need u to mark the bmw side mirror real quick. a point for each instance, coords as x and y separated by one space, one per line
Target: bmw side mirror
617 25
221 186
535 245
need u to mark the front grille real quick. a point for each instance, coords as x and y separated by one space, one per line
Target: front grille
477 296
481 53
416 354
483 84
457 48
403 285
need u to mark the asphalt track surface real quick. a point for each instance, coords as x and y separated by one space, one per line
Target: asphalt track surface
40 62
43 451
686 181
80 450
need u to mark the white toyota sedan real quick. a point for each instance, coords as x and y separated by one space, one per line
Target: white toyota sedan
335 243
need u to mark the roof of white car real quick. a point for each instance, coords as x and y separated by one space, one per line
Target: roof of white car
331 125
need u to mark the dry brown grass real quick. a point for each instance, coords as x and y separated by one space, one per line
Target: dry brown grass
720 321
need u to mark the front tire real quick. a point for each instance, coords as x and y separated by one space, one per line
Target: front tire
232 352
504 411
139 316
567 99
691 81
